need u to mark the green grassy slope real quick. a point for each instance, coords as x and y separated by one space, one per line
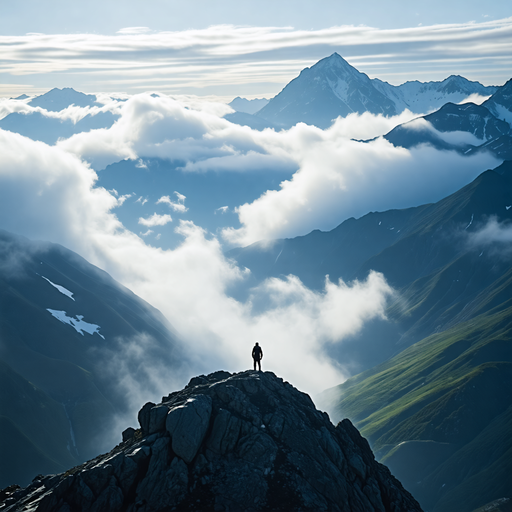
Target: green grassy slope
426 411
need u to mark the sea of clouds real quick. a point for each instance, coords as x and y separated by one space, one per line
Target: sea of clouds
50 193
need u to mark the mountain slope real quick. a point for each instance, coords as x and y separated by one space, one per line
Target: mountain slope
474 125
450 390
37 126
466 128
28 446
443 381
59 99
332 88
329 89
500 103
425 252
68 328
245 441
425 97
248 106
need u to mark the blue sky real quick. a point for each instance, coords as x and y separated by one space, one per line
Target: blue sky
220 50
252 49
109 16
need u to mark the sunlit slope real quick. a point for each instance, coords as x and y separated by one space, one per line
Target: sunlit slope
438 412
431 254
446 389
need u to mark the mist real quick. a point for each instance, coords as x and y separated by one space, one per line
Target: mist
50 193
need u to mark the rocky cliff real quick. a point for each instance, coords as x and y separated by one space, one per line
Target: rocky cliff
227 442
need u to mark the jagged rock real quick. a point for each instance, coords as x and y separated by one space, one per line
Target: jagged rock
187 425
241 442
128 433
143 417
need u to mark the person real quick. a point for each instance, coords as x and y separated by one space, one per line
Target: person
257 355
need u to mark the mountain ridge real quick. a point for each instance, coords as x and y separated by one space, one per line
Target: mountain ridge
61 321
332 88
246 441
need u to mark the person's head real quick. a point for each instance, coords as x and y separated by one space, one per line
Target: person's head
257 343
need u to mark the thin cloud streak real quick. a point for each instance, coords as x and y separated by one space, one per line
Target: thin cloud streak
255 57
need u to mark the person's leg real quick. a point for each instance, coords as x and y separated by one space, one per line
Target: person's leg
254 364
259 365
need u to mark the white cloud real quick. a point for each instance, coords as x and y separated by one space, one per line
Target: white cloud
340 178
367 126
133 30
71 113
475 98
458 138
122 199
155 220
49 193
177 207
336 177
46 193
494 237
224 56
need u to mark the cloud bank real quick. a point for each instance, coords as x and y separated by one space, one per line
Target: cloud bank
494 237
336 177
252 61
49 193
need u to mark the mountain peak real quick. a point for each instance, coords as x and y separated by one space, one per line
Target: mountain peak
58 99
246 441
335 61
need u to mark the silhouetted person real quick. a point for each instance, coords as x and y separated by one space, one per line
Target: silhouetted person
257 355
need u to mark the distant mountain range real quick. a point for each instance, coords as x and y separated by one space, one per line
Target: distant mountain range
66 328
466 128
59 99
49 130
248 106
437 405
332 88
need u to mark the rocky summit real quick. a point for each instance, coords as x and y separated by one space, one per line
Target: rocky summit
226 442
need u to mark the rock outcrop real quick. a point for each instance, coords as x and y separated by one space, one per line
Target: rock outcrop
227 442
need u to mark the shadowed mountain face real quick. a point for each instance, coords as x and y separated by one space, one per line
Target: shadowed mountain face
59 99
66 331
466 128
332 88
425 252
500 103
437 404
49 130
231 442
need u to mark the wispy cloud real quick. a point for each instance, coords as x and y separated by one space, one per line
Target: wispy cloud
494 238
178 206
257 59
155 220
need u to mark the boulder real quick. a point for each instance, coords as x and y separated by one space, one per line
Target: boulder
227 442
187 425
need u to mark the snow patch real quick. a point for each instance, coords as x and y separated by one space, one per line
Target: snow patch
470 222
61 289
78 323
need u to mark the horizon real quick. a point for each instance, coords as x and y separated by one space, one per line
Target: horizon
220 54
